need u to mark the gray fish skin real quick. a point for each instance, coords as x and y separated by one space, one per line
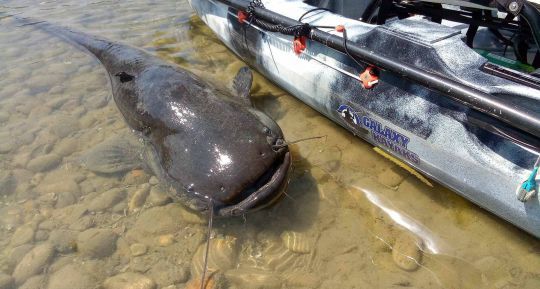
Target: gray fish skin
207 144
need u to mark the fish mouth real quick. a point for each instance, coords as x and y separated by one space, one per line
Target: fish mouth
265 194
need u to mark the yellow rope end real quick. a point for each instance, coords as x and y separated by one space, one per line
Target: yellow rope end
404 166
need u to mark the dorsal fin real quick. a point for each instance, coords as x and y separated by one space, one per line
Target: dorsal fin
242 84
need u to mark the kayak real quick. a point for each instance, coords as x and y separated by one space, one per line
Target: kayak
454 95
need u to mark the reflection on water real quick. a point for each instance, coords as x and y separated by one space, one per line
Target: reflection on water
351 219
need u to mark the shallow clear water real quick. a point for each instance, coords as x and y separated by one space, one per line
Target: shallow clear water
351 218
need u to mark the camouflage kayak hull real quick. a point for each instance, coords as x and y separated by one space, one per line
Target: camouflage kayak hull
441 138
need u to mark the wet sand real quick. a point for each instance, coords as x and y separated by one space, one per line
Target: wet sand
350 219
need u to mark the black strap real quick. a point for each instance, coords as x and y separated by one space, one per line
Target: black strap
536 61
473 28
521 48
496 31
384 11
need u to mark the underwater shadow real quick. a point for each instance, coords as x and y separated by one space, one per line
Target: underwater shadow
268 102
296 211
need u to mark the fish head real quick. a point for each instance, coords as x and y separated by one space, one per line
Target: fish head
236 157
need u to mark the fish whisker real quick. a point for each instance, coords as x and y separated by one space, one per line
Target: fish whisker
286 143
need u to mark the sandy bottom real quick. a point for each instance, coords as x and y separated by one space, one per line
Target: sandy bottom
351 218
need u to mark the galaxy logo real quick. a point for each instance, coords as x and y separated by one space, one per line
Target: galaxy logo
383 135
349 116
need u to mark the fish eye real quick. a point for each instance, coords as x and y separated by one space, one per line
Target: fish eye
146 131
267 131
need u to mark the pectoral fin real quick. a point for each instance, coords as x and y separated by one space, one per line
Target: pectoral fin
115 155
242 84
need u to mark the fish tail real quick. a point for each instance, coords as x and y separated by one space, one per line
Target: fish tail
112 55
80 39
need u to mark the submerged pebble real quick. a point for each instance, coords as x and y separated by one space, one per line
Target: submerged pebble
138 198
165 240
17 254
44 162
96 243
64 241
157 197
136 177
72 276
4 116
64 199
33 263
302 279
48 200
296 242
7 183
6 146
48 186
158 221
6 281
58 101
34 282
191 217
66 146
22 235
82 223
275 256
41 235
129 280
97 101
39 112
87 121
406 251
63 126
18 72
36 179
165 273
213 281
221 257
253 278
153 181
45 81
119 208
25 138
139 264
106 200
138 249
24 108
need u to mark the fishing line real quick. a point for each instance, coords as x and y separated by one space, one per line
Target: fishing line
210 221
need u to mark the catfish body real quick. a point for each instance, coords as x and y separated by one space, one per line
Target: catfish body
207 144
